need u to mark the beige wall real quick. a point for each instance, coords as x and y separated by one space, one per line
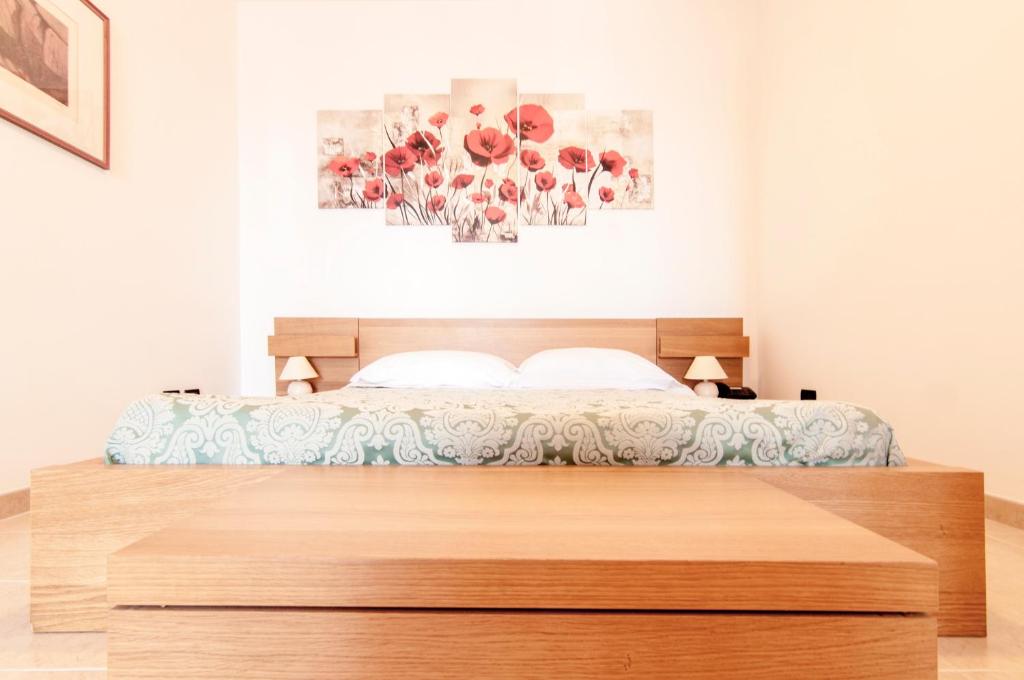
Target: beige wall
689 61
890 174
119 283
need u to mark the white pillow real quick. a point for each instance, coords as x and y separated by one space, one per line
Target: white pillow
439 368
580 368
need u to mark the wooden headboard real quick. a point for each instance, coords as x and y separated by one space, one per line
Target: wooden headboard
338 348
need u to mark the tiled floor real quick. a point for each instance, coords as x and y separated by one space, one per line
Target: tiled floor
82 656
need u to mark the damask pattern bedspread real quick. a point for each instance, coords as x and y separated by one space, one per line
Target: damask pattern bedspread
364 426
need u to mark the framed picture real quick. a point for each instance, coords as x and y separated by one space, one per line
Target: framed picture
55 73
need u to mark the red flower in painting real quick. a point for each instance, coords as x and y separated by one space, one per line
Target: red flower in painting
534 123
494 214
476 109
531 160
462 181
344 166
369 156
607 194
436 203
573 200
433 179
489 146
438 119
374 189
426 146
398 160
634 173
509 191
480 198
575 158
489 183
395 200
613 162
545 181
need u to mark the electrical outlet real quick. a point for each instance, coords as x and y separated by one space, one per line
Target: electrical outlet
808 395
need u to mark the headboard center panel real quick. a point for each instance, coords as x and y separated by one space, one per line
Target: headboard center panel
513 339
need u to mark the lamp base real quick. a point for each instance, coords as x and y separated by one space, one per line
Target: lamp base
707 390
299 388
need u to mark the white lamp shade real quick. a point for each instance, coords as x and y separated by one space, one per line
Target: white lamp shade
298 368
705 368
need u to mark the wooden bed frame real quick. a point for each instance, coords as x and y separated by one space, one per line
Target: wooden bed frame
84 512
519 572
338 348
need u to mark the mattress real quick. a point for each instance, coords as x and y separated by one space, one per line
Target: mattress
366 426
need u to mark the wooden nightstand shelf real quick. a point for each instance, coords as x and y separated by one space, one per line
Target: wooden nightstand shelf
680 340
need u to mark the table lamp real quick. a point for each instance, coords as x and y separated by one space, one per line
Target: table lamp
705 369
298 370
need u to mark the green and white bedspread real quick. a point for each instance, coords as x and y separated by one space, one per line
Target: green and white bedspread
363 426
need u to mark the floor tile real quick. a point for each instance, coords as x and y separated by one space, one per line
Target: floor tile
972 675
1003 649
1005 533
18 523
14 556
21 650
53 675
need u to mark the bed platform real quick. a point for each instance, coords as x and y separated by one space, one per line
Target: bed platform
371 572
84 512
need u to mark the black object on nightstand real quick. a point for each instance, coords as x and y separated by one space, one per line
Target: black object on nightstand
726 392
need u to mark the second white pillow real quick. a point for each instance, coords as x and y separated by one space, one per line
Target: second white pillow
578 368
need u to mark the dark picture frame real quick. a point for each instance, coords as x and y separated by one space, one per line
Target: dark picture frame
30 36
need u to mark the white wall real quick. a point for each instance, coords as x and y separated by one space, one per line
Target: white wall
891 218
866 156
688 61
125 282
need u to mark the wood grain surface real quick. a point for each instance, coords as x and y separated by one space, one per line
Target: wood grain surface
535 538
720 346
447 645
935 510
83 512
312 345
511 339
14 503
671 343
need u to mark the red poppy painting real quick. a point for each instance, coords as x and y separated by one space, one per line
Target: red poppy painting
485 170
622 145
417 158
484 160
553 154
349 168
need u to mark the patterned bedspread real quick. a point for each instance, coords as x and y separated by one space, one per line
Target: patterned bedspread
363 426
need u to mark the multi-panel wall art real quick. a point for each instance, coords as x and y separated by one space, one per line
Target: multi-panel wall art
484 122
622 144
485 160
553 159
417 156
348 159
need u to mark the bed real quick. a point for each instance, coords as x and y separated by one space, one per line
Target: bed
172 456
